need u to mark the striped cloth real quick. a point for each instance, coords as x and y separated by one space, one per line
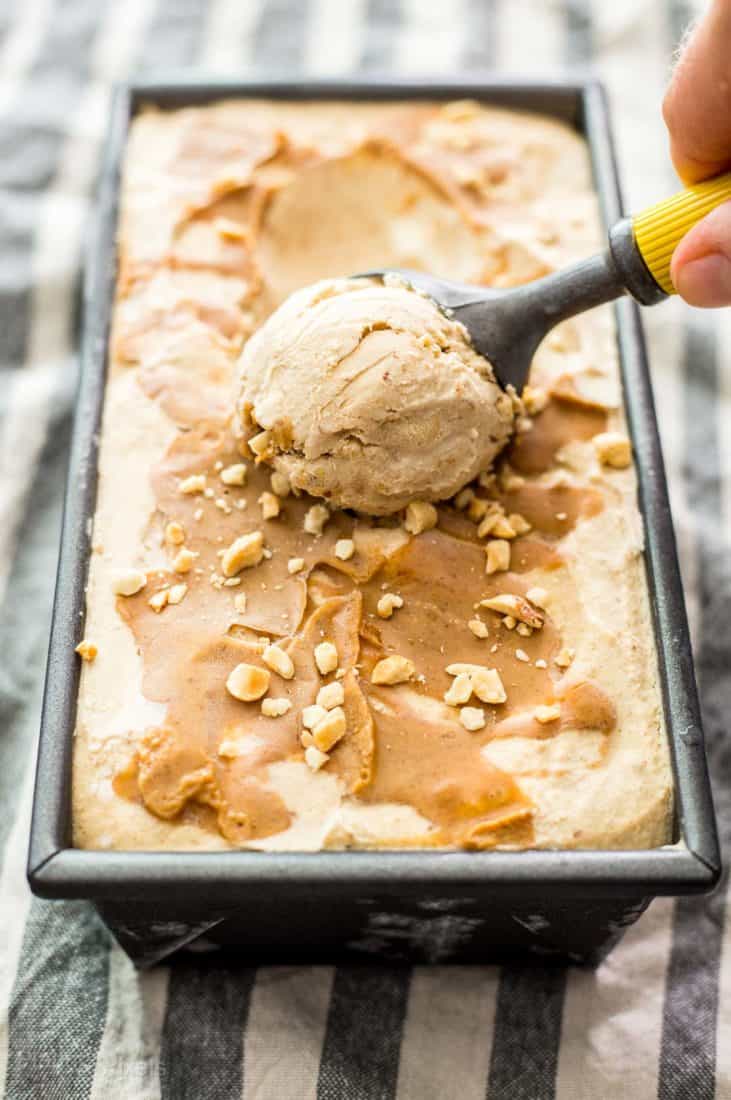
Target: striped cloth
76 1020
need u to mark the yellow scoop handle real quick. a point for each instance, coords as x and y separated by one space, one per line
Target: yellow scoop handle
660 228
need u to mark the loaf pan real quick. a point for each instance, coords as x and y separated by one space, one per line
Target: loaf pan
410 906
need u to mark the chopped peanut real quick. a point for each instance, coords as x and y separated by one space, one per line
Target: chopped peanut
275 708
312 715
280 484
331 695
184 560
127 582
279 661
534 399
330 729
240 602
387 604
174 533
485 682
519 523
507 603
524 630
159 600
564 658
244 552
177 593
497 554
463 498
315 759
196 483
315 519
295 565
613 449
270 506
234 475
326 658
87 651
546 714
260 445
459 691
489 520
344 549
478 508
393 670
478 628
248 682
521 655
420 516
472 718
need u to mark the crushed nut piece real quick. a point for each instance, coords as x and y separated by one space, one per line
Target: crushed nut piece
478 508
326 658
613 449
393 670
463 498
331 695
509 622
524 630
315 759
270 506
260 445
478 628
248 682
503 528
244 552
234 475
159 600
240 602
565 657
183 560
280 484
387 604
485 682
330 729
546 714
174 533
459 690
490 519
127 582
196 483
519 523
344 549
275 708
315 519
540 663
472 718
295 565
312 715
87 650
177 593
420 516
279 661
534 399
521 655
497 556
506 603
538 596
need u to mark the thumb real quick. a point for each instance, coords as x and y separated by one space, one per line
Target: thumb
701 264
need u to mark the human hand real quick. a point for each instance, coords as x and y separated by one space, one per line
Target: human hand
697 112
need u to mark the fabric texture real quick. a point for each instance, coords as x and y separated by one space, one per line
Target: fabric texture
76 1020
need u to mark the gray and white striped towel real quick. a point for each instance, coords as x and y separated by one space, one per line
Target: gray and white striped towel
75 1019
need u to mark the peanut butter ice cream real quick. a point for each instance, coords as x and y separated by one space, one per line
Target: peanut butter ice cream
369 396
263 669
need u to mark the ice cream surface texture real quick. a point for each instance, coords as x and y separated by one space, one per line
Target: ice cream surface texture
371 396
265 670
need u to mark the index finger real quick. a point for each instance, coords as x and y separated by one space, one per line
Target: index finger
697 106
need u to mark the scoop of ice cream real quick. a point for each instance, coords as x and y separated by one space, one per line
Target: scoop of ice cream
371 397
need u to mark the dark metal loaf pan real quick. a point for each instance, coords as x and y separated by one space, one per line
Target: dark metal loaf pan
399 905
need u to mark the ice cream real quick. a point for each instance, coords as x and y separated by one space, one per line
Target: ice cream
371 397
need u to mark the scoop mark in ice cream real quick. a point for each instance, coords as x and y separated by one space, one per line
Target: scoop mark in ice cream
384 398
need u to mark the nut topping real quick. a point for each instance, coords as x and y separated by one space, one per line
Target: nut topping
331 695
388 603
393 670
329 730
243 553
326 658
472 718
128 582
248 682
279 661
420 516
234 475
517 607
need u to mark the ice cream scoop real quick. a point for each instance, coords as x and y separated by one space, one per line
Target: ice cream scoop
506 326
368 395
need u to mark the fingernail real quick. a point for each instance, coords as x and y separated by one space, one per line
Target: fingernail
705 282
